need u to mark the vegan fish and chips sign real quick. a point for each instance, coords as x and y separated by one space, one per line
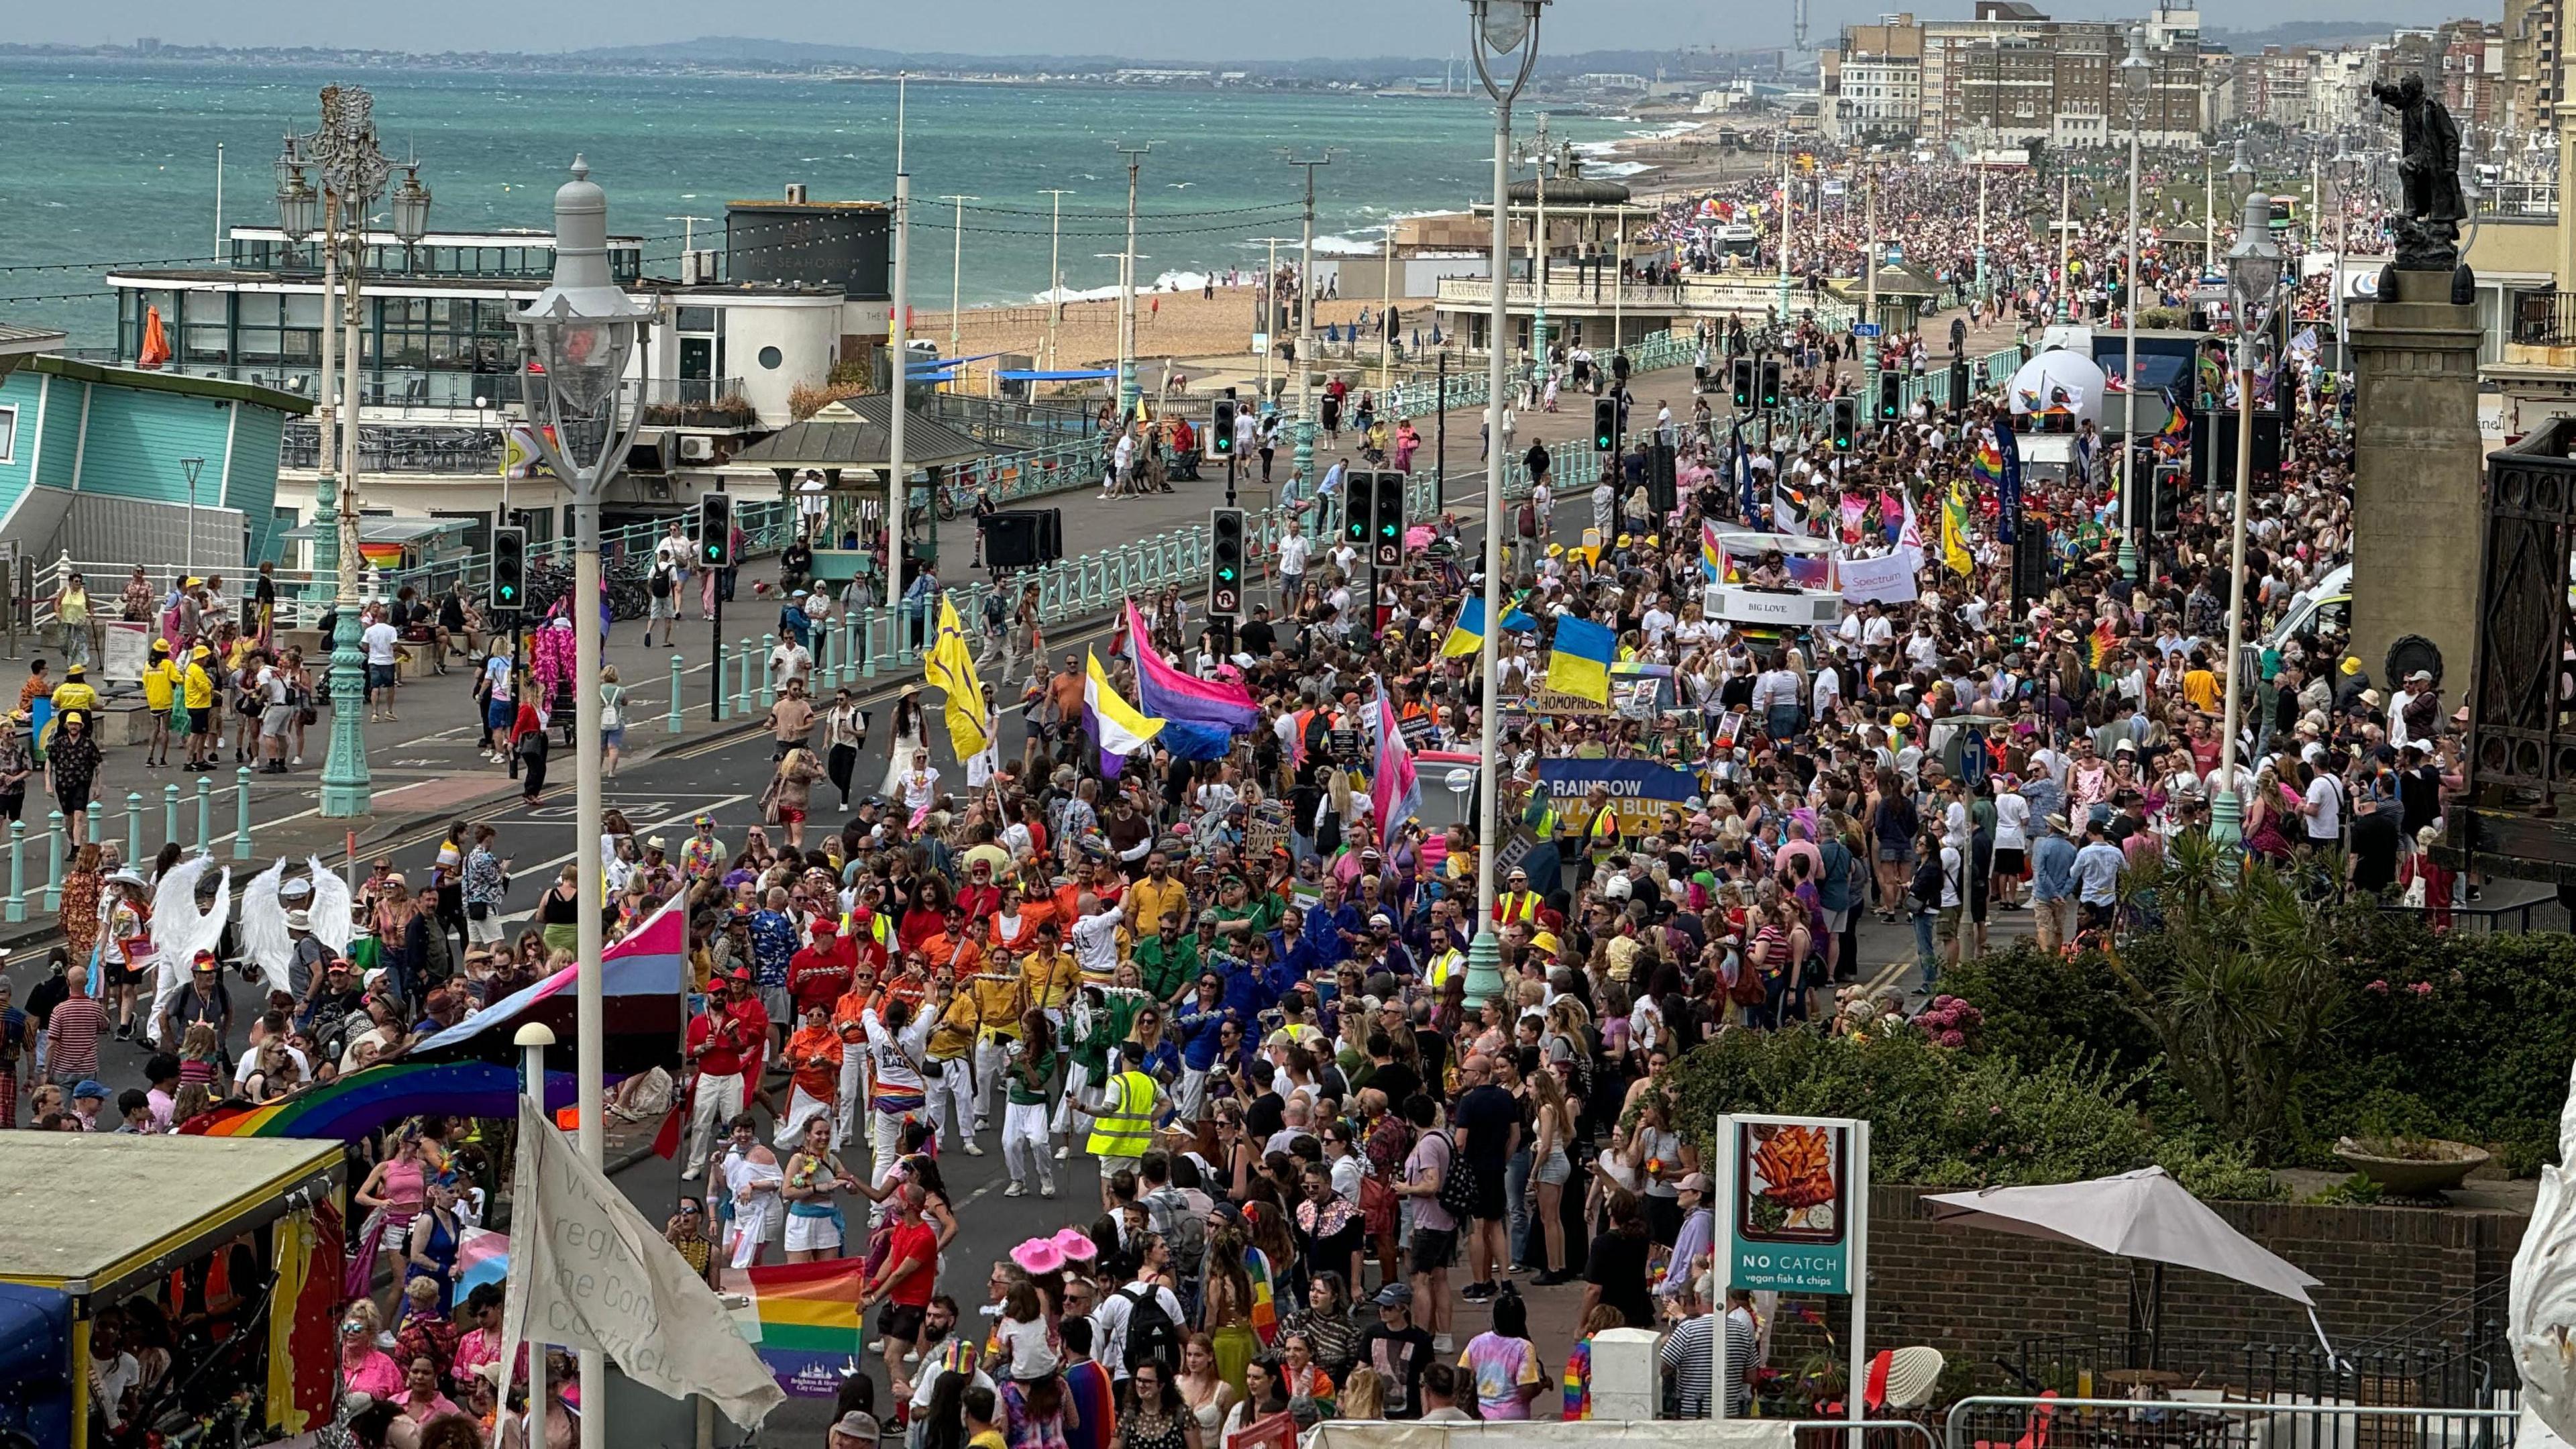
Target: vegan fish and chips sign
1793 1202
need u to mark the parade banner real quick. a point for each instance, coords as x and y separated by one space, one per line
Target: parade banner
1640 790
2008 485
808 1316
1887 579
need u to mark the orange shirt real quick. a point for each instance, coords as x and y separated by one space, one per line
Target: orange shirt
960 951
814 1056
847 1011
1033 914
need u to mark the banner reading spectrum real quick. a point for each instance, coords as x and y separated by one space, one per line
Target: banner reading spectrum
1639 789
1888 578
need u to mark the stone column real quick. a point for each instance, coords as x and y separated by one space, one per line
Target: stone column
2419 464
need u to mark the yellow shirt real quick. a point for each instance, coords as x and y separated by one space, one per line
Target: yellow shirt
1050 983
954 1036
1148 903
198 687
71 695
2200 687
160 682
999 1002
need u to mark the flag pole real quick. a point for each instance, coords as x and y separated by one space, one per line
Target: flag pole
532 1041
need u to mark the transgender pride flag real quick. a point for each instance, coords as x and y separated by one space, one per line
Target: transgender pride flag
1395 790
1165 693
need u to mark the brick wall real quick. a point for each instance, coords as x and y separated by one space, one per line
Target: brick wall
1978 1294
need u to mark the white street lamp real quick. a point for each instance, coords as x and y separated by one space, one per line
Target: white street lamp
192 467
577 341
2134 74
2253 272
1504 42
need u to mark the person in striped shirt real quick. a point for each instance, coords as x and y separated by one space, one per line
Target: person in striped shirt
72 1032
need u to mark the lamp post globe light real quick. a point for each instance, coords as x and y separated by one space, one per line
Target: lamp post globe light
577 341
344 156
1503 38
2253 274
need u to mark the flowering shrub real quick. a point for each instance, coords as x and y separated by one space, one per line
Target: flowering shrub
1951 1022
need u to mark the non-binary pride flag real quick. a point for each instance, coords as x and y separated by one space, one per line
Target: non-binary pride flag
809 1323
1113 722
1580 662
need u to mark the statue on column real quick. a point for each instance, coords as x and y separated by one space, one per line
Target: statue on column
2430 202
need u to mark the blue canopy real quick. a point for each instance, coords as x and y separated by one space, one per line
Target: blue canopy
1069 374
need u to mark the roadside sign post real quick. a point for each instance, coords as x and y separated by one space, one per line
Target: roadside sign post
1792 1209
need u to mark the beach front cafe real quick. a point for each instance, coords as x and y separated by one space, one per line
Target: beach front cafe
832 469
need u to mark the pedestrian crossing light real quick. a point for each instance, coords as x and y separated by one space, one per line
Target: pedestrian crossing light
509 568
1743 384
1846 423
1221 429
1360 497
1770 382
1605 424
1388 538
1225 563
715 530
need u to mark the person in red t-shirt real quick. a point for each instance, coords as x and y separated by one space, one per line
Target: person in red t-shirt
818 974
725 1045
905 1281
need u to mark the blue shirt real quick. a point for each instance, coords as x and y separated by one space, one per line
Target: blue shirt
2052 868
1247 992
1323 932
773 941
1198 1027
2097 869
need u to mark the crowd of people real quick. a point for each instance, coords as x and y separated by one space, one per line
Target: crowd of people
1331 1171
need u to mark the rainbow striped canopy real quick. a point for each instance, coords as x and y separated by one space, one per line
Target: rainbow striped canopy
376 1097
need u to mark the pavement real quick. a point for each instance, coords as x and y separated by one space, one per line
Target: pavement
427 771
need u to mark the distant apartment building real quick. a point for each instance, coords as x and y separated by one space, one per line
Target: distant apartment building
2013 74
2534 84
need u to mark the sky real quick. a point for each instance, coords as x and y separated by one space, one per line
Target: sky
1144 29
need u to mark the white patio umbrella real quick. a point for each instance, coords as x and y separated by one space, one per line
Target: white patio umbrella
2144 1215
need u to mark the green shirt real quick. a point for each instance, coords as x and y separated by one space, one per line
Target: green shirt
1167 969
1016 1079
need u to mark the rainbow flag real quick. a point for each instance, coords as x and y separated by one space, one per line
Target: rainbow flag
809 1323
1988 466
1712 556
381 555
373 1098
1165 693
1265 1307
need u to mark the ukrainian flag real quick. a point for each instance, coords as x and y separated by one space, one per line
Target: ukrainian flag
1516 620
1580 663
1467 635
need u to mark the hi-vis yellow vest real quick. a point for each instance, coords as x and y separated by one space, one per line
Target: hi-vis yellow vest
1129 1131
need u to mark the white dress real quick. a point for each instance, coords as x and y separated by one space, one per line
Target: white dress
899 756
755 1215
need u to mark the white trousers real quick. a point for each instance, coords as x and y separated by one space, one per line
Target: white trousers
885 1146
1069 1116
719 1101
949 1096
1191 1097
1024 1136
854 1096
992 1064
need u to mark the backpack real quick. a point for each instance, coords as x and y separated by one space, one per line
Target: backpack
1184 1232
1528 525
1151 1333
1457 1182
660 583
1926 885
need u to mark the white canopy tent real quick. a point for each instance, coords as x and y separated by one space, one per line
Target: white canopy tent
2144 1215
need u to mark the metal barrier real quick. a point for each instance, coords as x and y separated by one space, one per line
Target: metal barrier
1998 1421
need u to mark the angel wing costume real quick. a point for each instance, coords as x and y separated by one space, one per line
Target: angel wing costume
180 930
2540 1321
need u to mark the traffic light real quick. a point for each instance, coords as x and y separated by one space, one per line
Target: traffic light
1846 423
509 568
1743 384
1958 384
2165 485
1891 396
715 530
1221 430
1770 395
1605 424
1388 537
1225 562
1663 481
1360 497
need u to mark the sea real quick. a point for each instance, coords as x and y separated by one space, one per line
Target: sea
113 162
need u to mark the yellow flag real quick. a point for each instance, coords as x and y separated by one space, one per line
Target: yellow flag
1954 532
951 667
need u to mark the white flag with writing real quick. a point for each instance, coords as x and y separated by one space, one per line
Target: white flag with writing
589 1271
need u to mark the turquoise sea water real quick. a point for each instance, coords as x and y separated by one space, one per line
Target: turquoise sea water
111 161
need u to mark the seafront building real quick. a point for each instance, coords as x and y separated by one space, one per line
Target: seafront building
791 294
